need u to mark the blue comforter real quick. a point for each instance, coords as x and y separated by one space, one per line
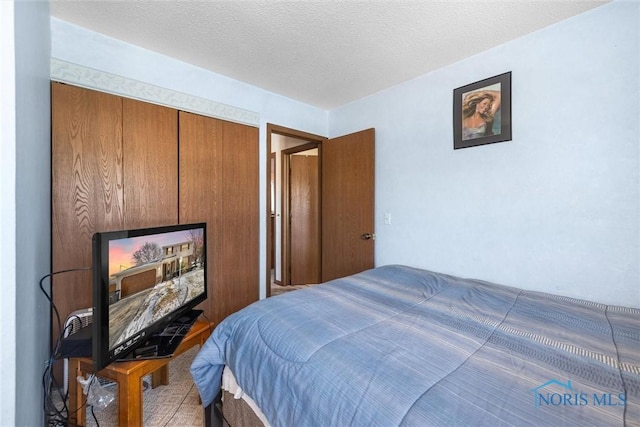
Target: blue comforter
402 346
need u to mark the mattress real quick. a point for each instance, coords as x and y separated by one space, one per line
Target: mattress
397 345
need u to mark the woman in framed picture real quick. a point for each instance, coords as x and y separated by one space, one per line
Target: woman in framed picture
479 110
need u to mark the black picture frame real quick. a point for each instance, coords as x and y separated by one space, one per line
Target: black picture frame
472 127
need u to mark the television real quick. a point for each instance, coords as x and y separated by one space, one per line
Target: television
146 283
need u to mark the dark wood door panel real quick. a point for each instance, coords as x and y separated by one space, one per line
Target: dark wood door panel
219 185
150 144
240 223
304 219
200 168
87 185
348 204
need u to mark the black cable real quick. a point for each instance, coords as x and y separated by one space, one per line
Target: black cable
179 406
94 415
55 309
91 379
63 396
55 416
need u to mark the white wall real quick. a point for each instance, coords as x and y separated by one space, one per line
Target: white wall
26 206
557 208
7 215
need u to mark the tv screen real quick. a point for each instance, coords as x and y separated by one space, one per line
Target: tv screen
143 280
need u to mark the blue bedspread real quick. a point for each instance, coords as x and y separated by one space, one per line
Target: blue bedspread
402 346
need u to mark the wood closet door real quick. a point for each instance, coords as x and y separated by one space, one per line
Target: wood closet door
87 186
219 185
150 144
200 194
240 256
114 166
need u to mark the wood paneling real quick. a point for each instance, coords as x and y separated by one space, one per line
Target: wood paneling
200 181
87 185
150 144
119 163
240 225
219 185
114 166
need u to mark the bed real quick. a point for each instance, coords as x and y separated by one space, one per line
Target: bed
397 345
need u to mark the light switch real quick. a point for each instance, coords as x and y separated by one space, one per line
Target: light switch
387 218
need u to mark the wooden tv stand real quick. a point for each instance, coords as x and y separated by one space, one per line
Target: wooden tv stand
128 376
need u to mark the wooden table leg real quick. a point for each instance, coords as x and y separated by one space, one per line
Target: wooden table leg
130 400
128 376
77 407
160 377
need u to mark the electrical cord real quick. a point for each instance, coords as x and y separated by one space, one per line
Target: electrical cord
57 414
94 415
51 387
55 309
179 405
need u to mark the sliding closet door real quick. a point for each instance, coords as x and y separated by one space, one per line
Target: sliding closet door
114 166
87 186
240 222
150 145
200 179
219 185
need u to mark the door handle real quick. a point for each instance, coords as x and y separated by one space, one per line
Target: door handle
368 236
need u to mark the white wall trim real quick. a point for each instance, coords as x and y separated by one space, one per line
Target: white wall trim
78 75
8 352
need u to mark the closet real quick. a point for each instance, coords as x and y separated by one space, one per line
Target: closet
119 163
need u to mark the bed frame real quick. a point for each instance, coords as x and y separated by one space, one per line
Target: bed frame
234 413
213 413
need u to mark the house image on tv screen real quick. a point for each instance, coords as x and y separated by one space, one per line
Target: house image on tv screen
176 259
163 279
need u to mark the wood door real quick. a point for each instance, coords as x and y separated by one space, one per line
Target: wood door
150 145
348 204
114 166
200 188
87 186
219 185
240 258
304 219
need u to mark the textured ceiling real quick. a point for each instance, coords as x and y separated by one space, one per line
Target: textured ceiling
321 52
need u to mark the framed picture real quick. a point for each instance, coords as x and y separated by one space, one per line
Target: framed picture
482 112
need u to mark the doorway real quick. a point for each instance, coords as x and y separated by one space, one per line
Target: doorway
346 193
283 145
